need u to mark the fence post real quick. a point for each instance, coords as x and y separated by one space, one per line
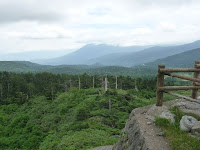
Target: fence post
196 75
160 83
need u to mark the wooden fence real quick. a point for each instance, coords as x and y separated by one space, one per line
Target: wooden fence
161 89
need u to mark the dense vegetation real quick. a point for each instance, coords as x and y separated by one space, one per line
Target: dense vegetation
19 88
48 111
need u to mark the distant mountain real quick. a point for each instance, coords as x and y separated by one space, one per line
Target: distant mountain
18 66
182 60
25 67
88 52
144 56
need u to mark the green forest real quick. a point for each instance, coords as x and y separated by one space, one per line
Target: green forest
61 111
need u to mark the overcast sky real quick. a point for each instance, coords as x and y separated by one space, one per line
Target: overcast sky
27 25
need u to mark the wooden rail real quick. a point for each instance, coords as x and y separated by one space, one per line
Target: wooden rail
162 71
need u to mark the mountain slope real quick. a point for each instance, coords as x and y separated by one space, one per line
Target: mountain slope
88 52
185 59
24 67
19 66
144 56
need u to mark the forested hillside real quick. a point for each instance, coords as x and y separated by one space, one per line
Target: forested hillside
26 67
47 111
182 60
53 111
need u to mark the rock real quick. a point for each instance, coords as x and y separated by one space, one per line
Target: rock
168 115
156 111
160 134
160 112
198 97
148 123
178 104
193 106
187 122
131 136
196 128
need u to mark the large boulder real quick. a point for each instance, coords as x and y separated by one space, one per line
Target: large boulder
196 129
187 122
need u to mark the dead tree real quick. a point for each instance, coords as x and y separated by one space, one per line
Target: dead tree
8 90
93 82
109 101
79 83
52 93
70 83
116 83
1 88
136 88
106 83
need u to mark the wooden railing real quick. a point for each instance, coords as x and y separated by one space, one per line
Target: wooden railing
161 89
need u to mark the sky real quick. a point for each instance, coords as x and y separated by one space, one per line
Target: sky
40 25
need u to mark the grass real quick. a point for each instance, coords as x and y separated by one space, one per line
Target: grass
179 140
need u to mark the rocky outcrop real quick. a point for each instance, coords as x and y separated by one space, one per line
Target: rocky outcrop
140 133
131 137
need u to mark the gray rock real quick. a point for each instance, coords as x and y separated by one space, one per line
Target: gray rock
155 111
187 122
131 137
196 128
148 123
160 134
198 97
193 106
168 115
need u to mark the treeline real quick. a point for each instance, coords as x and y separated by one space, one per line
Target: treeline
18 88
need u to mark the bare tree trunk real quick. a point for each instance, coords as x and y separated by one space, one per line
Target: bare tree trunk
106 83
93 82
136 88
116 83
1 90
52 91
8 90
110 104
79 83
65 86
99 92
70 83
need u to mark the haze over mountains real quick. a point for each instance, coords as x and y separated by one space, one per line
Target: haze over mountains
118 56
33 55
106 59
89 52
144 62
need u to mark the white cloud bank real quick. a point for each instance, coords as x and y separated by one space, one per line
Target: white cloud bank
27 25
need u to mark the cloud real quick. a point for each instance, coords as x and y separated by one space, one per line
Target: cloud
167 27
49 24
23 10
